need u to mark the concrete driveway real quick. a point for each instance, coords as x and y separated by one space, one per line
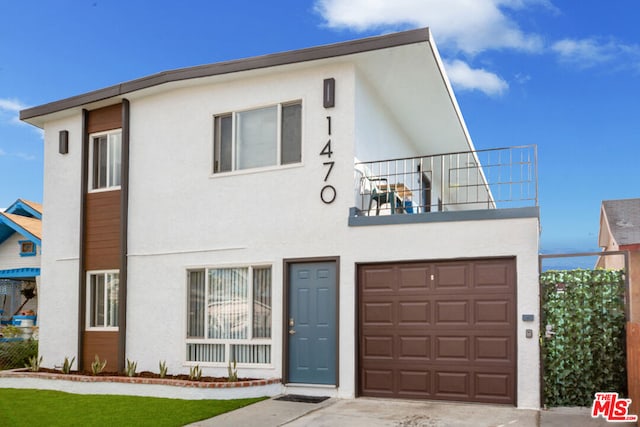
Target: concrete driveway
368 412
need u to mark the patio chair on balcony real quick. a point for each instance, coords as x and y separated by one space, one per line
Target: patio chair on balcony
376 189
383 194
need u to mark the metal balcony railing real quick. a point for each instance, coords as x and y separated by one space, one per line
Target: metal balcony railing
485 179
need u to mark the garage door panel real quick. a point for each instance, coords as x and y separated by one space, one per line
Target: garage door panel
494 312
492 349
492 275
414 382
414 313
452 348
441 330
379 279
452 312
378 313
378 347
378 382
492 386
452 384
451 276
413 277
413 348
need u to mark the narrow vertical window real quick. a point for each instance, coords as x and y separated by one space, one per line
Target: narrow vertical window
223 157
103 300
106 160
262 302
196 305
291 134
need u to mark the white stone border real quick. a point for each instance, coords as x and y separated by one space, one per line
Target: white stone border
137 386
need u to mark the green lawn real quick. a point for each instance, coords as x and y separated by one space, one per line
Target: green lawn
25 407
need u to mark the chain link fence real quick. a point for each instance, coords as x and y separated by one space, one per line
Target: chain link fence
15 349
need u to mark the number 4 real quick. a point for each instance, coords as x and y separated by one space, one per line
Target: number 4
326 150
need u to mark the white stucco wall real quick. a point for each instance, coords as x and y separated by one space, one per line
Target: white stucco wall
181 216
378 136
58 289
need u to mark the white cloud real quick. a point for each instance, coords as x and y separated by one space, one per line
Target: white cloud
11 108
11 105
471 26
589 52
2 152
463 77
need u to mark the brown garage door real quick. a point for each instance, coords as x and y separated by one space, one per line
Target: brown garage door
438 330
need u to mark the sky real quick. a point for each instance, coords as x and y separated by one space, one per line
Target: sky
564 75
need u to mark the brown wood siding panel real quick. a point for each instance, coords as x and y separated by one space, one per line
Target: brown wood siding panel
102 244
104 119
633 366
438 330
101 343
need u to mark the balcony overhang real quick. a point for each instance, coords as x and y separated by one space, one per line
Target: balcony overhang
452 216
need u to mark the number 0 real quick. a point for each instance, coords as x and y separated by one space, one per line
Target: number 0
328 194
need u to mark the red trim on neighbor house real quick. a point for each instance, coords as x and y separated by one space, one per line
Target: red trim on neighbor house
634 247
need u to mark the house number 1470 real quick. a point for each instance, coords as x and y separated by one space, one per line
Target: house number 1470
328 192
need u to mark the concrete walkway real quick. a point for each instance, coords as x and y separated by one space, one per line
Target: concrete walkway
368 412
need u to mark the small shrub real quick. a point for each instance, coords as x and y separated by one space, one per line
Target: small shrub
232 372
98 366
11 331
131 368
66 366
195 373
34 363
163 368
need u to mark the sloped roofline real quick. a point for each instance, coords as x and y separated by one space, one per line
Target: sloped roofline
226 67
13 222
604 221
21 205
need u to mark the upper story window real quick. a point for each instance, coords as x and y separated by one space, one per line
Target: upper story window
268 136
27 248
106 151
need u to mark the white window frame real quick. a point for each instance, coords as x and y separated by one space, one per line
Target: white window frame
88 306
92 163
234 143
250 318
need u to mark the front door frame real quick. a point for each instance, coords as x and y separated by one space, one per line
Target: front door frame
285 312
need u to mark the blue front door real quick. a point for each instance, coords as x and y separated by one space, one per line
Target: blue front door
311 325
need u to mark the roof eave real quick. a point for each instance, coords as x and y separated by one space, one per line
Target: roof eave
19 229
31 115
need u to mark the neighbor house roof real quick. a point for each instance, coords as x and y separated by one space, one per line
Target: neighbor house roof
622 218
271 60
25 208
23 217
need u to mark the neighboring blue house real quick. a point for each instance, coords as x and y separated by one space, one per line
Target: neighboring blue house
20 247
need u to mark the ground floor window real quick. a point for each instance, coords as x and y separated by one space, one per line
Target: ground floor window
229 315
102 299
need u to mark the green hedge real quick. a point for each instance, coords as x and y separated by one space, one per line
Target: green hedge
16 354
587 354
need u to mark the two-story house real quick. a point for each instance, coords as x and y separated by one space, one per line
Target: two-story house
319 216
20 251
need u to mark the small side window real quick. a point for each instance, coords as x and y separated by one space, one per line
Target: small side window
27 248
